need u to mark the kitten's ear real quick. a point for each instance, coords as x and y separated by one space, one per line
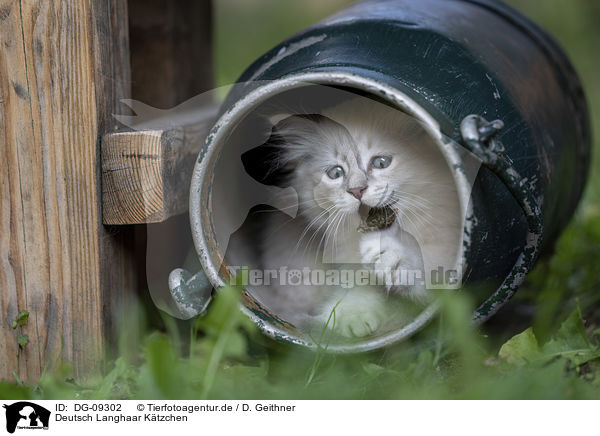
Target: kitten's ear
271 162
262 164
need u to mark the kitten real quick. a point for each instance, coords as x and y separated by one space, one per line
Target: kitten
355 156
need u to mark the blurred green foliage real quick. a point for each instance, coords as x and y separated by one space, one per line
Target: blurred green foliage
245 29
555 355
228 359
576 26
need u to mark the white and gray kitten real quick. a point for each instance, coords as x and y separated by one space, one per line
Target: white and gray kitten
355 156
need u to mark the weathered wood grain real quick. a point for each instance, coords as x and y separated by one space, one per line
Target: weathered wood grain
63 68
146 174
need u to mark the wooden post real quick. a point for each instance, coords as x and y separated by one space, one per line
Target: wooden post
64 65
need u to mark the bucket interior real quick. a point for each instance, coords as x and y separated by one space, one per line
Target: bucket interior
263 203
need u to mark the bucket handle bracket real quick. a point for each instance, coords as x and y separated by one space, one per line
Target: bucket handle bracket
191 293
479 137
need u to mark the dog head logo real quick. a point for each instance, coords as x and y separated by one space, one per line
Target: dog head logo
26 415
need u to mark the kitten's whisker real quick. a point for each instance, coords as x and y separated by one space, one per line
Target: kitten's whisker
326 233
310 224
417 201
414 197
421 182
422 212
404 209
297 205
313 236
417 218
405 215
335 235
289 220
423 209
313 222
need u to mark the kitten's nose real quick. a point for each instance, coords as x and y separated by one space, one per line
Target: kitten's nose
357 192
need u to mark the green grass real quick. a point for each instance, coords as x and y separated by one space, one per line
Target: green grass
230 359
553 354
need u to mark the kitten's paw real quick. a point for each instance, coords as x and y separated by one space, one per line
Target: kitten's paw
359 313
384 250
358 325
391 260
395 265
371 248
387 261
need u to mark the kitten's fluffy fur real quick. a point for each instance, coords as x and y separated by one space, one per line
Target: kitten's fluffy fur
417 184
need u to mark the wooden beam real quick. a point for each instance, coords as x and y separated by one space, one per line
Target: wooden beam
146 174
63 68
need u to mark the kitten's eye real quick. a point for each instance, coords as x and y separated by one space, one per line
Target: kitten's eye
335 172
381 162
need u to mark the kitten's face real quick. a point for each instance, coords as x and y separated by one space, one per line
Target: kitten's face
349 173
337 173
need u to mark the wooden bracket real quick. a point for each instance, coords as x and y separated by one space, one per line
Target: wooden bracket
146 174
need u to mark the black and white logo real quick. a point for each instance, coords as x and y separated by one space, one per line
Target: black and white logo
26 415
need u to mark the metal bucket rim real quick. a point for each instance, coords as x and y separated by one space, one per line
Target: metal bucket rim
202 177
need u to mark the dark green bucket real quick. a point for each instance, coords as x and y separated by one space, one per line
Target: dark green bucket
458 63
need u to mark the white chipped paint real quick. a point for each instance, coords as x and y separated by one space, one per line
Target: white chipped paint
286 51
496 93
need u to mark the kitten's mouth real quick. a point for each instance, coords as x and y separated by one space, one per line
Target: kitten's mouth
376 218
384 204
